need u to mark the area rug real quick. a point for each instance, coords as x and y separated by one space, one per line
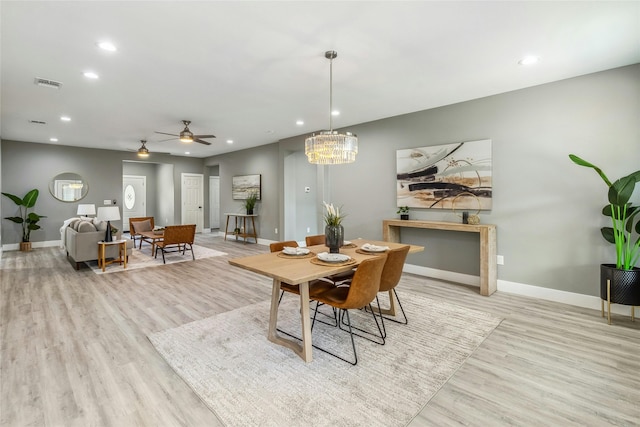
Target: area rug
248 381
142 258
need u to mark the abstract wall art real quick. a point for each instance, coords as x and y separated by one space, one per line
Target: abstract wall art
447 176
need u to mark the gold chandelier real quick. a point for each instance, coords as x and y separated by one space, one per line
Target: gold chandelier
331 147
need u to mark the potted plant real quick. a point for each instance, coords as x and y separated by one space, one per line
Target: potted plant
404 212
28 220
623 276
333 230
250 202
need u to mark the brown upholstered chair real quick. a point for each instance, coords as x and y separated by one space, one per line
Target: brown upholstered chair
390 278
277 247
363 289
177 238
143 224
315 240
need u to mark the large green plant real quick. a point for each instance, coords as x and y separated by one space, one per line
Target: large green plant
28 220
624 216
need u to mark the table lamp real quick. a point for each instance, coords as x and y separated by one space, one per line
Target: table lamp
84 210
108 213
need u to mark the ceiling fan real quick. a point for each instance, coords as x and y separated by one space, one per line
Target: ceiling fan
143 151
187 136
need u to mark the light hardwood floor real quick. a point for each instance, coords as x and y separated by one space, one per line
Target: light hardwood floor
75 352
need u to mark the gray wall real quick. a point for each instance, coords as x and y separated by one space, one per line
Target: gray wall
28 165
547 210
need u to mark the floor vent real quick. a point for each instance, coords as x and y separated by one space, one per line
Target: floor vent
48 83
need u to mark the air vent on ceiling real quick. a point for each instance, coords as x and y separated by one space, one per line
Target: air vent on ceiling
48 83
37 122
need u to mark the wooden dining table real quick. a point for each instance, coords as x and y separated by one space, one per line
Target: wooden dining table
300 271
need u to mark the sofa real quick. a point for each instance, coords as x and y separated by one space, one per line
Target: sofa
82 237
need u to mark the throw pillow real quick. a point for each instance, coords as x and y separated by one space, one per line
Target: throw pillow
100 225
86 226
139 226
74 223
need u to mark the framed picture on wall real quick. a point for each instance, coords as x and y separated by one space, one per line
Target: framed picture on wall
441 176
242 186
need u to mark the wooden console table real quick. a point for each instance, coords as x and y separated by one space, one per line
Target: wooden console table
488 246
241 218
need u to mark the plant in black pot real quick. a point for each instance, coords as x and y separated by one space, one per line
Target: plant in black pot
620 282
250 202
404 212
27 220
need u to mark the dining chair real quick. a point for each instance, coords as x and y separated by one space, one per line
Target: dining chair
277 247
319 239
286 287
391 274
362 291
315 240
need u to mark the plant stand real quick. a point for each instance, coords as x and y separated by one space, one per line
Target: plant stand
619 287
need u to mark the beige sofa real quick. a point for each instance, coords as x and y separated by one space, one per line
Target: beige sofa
81 241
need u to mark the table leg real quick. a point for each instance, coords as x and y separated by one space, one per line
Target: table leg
304 350
226 228
124 253
101 256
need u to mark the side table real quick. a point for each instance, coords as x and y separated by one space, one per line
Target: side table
122 253
242 218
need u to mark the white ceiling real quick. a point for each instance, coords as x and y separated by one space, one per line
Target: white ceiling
247 71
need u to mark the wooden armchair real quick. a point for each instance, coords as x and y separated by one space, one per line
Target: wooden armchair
177 238
142 220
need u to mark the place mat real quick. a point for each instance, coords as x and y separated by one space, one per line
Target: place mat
349 246
317 261
363 252
287 256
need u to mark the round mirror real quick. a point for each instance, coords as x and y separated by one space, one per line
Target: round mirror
68 187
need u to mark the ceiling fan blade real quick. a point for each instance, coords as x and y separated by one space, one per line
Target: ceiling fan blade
204 136
170 139
201 141
164 133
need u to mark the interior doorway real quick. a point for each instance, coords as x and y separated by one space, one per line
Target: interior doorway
214 202
193 200
134 196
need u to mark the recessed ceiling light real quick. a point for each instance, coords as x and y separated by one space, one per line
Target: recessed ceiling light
90 75
229 141
529 60
65 118
299 122
53 139
186 152
335 113
108 46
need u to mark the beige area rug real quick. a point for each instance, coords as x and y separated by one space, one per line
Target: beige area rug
142 258
248 381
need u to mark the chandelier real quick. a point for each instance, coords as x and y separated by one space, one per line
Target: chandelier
331 147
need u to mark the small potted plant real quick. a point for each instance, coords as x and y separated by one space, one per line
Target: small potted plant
250 202
28 220
404 212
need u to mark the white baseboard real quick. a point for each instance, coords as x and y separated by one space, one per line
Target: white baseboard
548 294
47 244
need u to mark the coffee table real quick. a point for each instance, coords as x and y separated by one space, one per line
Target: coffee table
151 237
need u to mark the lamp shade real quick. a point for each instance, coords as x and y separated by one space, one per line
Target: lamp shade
86 209
109 213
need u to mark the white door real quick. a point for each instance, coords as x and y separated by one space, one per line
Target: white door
193 200
134 198
214 202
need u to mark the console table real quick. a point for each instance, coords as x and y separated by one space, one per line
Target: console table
488 246
241 218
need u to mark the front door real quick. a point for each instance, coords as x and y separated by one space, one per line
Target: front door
193 200
134 196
